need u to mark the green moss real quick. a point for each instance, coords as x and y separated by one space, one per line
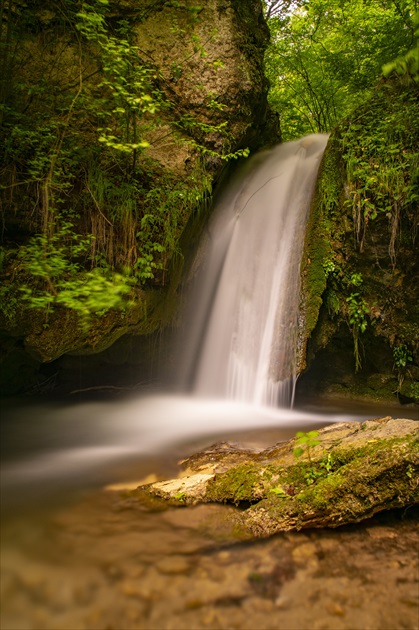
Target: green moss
369 169
243 483
318 250
311 488
345 488
320 495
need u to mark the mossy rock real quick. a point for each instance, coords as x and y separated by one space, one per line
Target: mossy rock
353 258
349 473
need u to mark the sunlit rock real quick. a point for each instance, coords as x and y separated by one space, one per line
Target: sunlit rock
343 473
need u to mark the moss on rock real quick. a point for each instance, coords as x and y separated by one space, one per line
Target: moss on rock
358 297
352 472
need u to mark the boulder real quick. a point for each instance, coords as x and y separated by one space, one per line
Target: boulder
343 473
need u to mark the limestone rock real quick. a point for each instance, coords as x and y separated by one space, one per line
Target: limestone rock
347 473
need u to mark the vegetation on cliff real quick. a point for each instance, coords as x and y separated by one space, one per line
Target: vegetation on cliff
352 68
116 118
360 249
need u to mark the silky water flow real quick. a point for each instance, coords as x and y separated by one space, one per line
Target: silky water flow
243 331
238 353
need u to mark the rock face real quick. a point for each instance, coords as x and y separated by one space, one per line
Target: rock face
360 315
344 474
201 67
217 78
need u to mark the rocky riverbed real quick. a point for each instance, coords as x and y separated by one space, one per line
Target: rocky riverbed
110 561
107 563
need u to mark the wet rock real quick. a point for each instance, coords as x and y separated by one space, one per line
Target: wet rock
192 487
173 565
346 473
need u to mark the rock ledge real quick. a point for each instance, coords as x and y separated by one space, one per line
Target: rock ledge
347 473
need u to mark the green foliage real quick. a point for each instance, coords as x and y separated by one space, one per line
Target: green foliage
304 443
328 463
51 257
312 473
354 307
357 314
126 85
279 492
357 310
326 56
56 263
332 302
413 391
407 65
382 161
356 279
402 356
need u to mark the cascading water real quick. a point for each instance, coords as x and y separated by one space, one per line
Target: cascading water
242 344
240 349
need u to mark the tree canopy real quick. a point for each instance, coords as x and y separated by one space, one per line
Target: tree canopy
326 56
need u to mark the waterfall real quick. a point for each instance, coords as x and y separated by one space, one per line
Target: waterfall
242 336
239 348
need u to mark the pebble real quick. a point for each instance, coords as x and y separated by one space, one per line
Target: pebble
282 602
335 609
381 532
173 565
306 554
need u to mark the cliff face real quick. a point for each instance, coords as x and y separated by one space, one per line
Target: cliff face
117 121
217 78
361 266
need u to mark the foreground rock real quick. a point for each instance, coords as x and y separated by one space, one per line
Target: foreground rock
344 474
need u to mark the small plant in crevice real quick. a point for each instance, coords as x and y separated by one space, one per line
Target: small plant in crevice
357 312
402 357
344 296
304 443
279 492
357 317
332 302
315 471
